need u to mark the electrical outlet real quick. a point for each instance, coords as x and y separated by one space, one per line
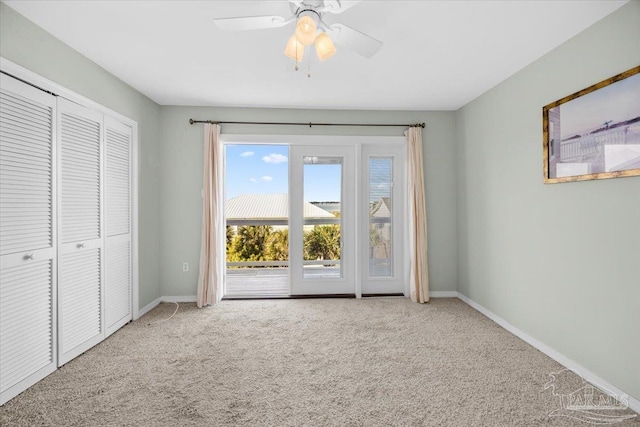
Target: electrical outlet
185 266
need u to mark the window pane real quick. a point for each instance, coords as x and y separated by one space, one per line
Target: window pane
380 217
322 198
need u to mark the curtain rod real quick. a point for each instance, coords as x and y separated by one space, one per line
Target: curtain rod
310 124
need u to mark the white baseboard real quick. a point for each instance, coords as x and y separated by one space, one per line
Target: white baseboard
147 308
153 304
179 298
443 294
606 387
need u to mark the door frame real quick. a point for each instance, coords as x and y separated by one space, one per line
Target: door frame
323 140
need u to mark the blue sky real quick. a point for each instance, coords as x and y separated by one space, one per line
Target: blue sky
263 169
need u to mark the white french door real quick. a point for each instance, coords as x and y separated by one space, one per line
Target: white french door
330 267
371 203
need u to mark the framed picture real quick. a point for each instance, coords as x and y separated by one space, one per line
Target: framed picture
594 133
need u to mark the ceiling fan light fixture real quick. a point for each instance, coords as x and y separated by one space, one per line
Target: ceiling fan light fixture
324 46
306 27
294 49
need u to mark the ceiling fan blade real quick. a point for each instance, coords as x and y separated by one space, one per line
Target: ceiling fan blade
354 40
338 6
244 23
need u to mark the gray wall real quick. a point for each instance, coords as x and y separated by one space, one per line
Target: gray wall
182 179
560 262
26 44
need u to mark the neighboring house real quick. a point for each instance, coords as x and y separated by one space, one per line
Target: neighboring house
268 209
332 207
380 231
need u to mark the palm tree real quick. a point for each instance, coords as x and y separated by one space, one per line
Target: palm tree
278 246
251 242
323 242
230 234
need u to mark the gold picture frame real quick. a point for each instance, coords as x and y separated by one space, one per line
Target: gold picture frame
594 133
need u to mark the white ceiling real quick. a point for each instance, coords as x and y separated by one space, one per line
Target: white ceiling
437 55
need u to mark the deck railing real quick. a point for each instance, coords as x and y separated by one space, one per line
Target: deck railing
324 262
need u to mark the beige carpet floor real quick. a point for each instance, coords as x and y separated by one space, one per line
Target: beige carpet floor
315 362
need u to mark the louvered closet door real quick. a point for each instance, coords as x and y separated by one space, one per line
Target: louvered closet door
80 279
27 237
118 224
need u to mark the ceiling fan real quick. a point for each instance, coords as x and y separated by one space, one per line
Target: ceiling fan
310 29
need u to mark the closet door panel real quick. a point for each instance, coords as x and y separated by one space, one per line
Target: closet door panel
118 309
27 236
26 319
81 281
118 283
118 178
81 320
80 141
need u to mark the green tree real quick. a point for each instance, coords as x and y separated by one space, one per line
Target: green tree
278 246
250 243
323 242
230 234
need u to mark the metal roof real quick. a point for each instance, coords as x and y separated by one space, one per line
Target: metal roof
268 207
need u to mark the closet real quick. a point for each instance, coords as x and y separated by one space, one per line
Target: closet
65 231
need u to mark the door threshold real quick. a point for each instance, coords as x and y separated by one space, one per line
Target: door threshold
265 297
310 296
397 294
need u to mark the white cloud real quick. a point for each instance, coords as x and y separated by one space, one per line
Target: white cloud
247 154
267 178
253 180
274 158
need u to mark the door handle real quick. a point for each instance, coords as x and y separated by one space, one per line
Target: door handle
28 257
80 245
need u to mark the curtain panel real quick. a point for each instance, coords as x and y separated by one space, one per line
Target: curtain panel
211 253
419 273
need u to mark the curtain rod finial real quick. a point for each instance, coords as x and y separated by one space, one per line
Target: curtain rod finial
190 121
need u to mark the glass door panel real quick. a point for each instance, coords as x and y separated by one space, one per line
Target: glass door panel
380 213
322 240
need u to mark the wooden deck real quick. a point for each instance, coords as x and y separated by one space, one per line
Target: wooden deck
268 282
257 282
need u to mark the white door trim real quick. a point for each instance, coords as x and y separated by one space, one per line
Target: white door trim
358 142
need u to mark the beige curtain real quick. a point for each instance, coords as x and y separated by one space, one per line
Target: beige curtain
210 277
419 276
